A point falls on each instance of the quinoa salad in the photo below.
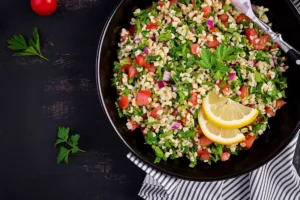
(174, 53)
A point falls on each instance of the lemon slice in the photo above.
(217, 134)
(226, 113)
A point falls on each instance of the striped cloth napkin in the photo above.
(278, 179)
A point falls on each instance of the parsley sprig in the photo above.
(29, 47)
(71, 143)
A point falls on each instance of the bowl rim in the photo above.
(151, 164)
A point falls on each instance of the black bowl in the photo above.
(283, 127)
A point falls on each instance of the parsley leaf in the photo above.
(217, 150)
(165, 37)
(72, 143)
(225, 53)
(187, 134)
(208, 60)
(258, 76)
(31, 47)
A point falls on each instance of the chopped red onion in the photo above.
(167, 76)
(192, 31)
(250, 105)
(161, 84)
(250, 62)
(210, 23)
(192, 110)
(231, 76)
(146, 51)
(136, 39)
(175, 125)
(153, 38)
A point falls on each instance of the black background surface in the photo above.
(37, 96)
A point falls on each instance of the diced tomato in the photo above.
(194, 48)
(223, 18)
(132, 29)
(193, 99)
(200, 152)
(206, 11)
(172, 2)
(225, 156)
(213, 44)
(251, 34)
(214, 29)
(268, 76)
(133, 125)
(140, 61)
(204, 141)
(275, 46)
(224, 88)
(154, 112)
(244, 91)
(279, 103)
(150, 8)
(142, 98)
(270, 112)
(125, 67)
(204, 155)
(125, 37)
(249, 141)
(132, 71)
(151, 68)
(263, 40)
(241, 18)
(199, 131)
(259, 119)
(123, 102)
(161, 3)
(151, 26)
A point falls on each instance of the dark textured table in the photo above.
(38, 96)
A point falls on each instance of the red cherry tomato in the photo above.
(251, 34)
(43, 7)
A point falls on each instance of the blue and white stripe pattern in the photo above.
(276, 180)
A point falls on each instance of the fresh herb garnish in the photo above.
(71, 143)
(31, 47)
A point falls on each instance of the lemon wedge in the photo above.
(217, 134)
(226, 113)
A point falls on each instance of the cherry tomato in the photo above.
(194, 48)
(206, 11)
(142, 98)
(193, 99)
(140, 60)
(213, 44)
(43, 7)
(124, 102)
